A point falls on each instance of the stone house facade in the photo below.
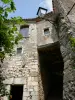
(41, 65)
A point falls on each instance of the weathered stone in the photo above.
(19, 80)
(34, 93)
(34, 97)
(22, 69)
(34, 74)
(35, 83)
(25, 93)
(8, 81)
(25, 98)
(36, 88)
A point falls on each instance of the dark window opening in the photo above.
(51, 69)
(19, 50)
(24, 26)
(16, 92)
(24, 30)
(46, 31)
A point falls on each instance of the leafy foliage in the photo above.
(9, 34)
(3, 90)
(72, 40)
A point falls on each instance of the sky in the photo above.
(28, 8)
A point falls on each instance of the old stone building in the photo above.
(41, 67)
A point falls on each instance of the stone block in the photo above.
(66, 58)
(8, 88)
(35, 83)
(63, 51)
(8, 81)
(34, 93)
(24, 98)
(5, 98)
(29, 83)
(32, 78)
(35, 98)
(31, 89)
(34, 74)
(25, 88)
(19, 80)
(67, 76)
(25, 94)
(36, 79)
(67, 64)
(29, 79)
(36, 88)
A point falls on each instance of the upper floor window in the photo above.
(19, 50)
(24, 30)
(46, 31)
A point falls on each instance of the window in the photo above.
(19, 50)
(46, 31)
(24, 30)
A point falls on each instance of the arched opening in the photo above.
(51, 69)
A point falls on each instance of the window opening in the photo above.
(46, 31)
(19, 50)
(24, 30)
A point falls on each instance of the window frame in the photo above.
(19, 50)
(46, 29)
(23, 27)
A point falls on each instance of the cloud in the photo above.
(47, 4)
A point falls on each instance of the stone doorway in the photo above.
(16, 92)
(51, 69)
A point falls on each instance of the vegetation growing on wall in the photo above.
(72, 40)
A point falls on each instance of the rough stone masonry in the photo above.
(23, 69)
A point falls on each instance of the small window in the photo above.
(24, 30)
(46, 31)
(19, 50)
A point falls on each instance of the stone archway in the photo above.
(51, 69)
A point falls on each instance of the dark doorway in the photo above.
(51, 69)
(16, 92)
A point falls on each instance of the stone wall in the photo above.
(65, 30)
(44, 39)
(64, 33)
(62, 6)
(22, 69)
